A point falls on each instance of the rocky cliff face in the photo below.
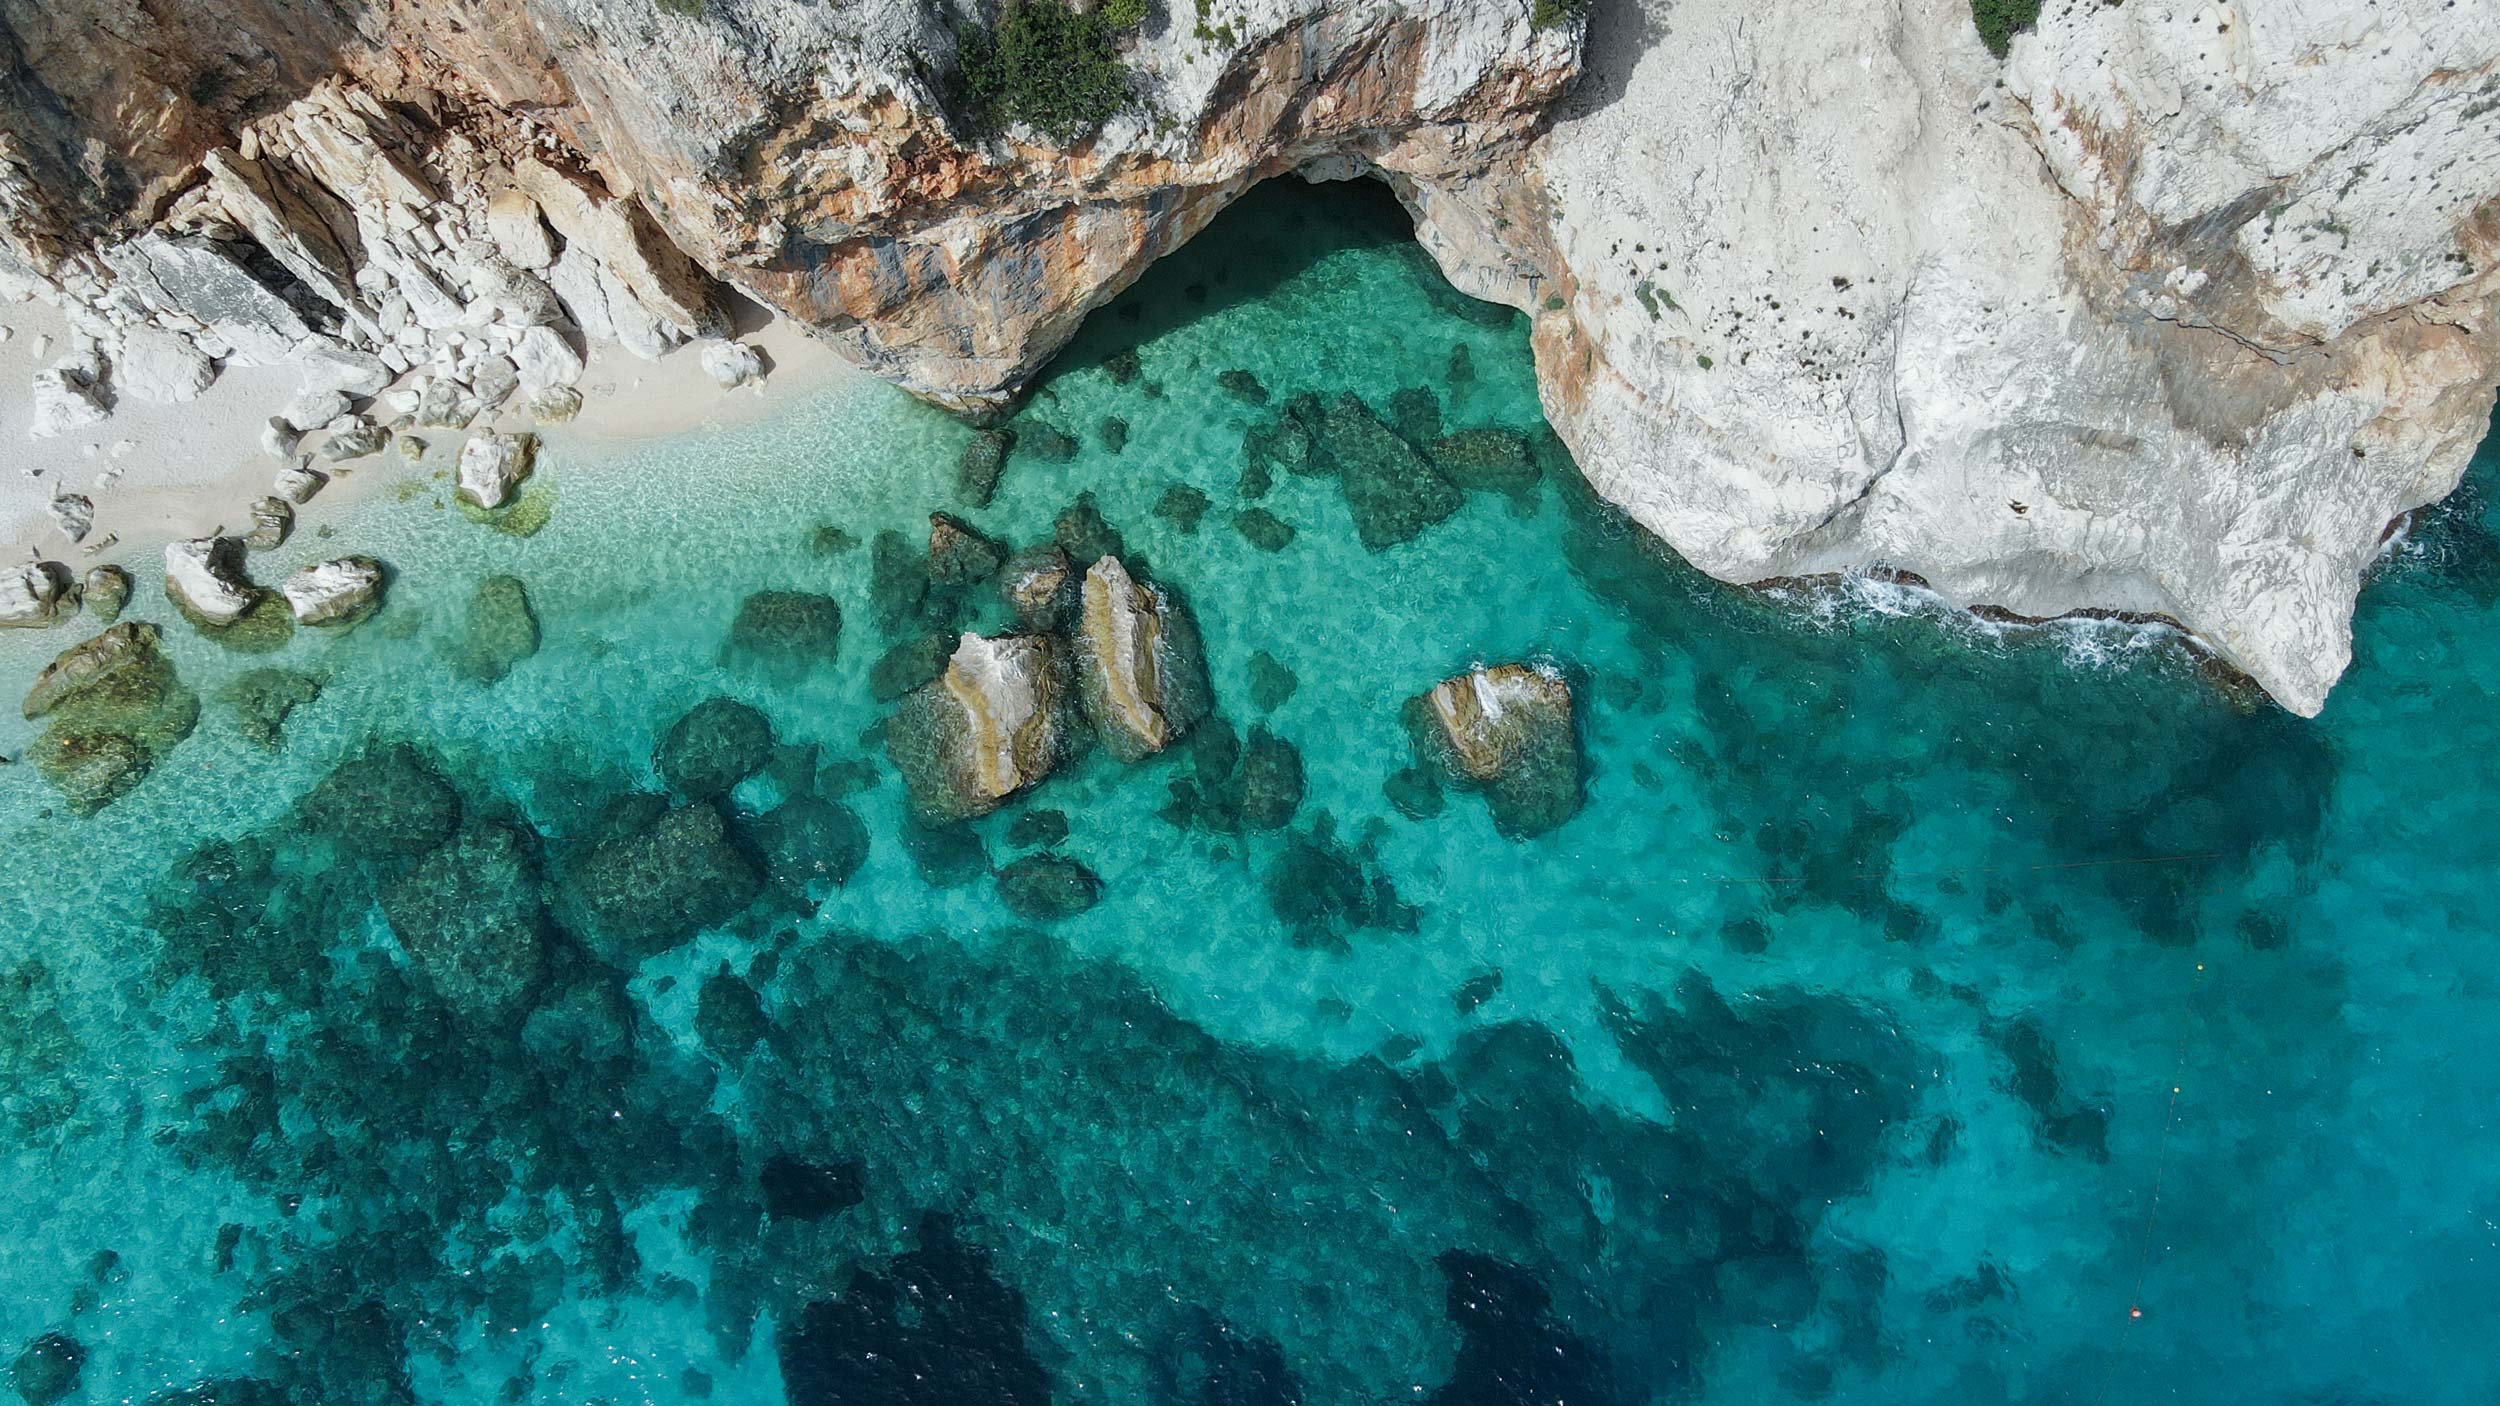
(2172, 311)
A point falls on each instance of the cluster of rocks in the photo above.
(208, 583)
(1398, 477)
(366, 246)
(1004, 713)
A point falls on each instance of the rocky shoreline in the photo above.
(1825, 297)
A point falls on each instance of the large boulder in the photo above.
(115, 706)
(1509, 731)
(649, 884)
(273, 521)
(993, 724)
(493, 465)
(717, 744)
(471, 917)
(205, 581)
(341, 591)
(784, 635)
(35, 595)
(1140, 673)
(732, 364)
(389, 801)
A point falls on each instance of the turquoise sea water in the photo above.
(1915, 1011)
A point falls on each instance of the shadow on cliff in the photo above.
(200, 72)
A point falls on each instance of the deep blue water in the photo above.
(1916, 1010)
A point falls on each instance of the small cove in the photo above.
(1910, 999)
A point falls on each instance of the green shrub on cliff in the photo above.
(1545, 14)
(1047, 66)
(2000, 20)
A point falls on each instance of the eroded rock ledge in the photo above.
(2171, 312)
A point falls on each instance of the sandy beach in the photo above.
(162, 472)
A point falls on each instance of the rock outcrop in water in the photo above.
(113, 707)
(1507, 729)
(2160, 313)
(995, 723)
(1139, 669)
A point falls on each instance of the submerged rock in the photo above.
(1038, 829)
(1040, 586)
(340, 591)
(728, 1016)
(908, 665)
(796, 1190)
(1243, 386)
(717, 744)
(807, 841)
(1508, 730)
(492, 465)
(1393, 491)
(784, 635)
(1182, 506)
(1324, 893)
(989, 727)
(898, 580)
(46, 1373)
(1140, 673)
(1263, 529)
(107, 593)
(948, 856)
(960, 555)
(390, 801)
(501, 630)
(262, 699)
(1047, 887)
(205, 581)
(470, 915)
(984, 460)
(1271, 683)
(1493, 460)
(645, 887)
(1084, 533)
(116, 706)
(1046, 442)
(1282, 443)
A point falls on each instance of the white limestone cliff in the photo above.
(2175, 312)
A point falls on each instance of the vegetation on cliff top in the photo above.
(1999, 21)
(1045, 65)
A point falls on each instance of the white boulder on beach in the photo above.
(492, 465)
(340, 591)
(204, 579)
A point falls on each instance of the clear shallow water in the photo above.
(1909, 1001)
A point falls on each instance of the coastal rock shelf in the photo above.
(1846, 292)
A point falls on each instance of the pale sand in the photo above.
(159, 473)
